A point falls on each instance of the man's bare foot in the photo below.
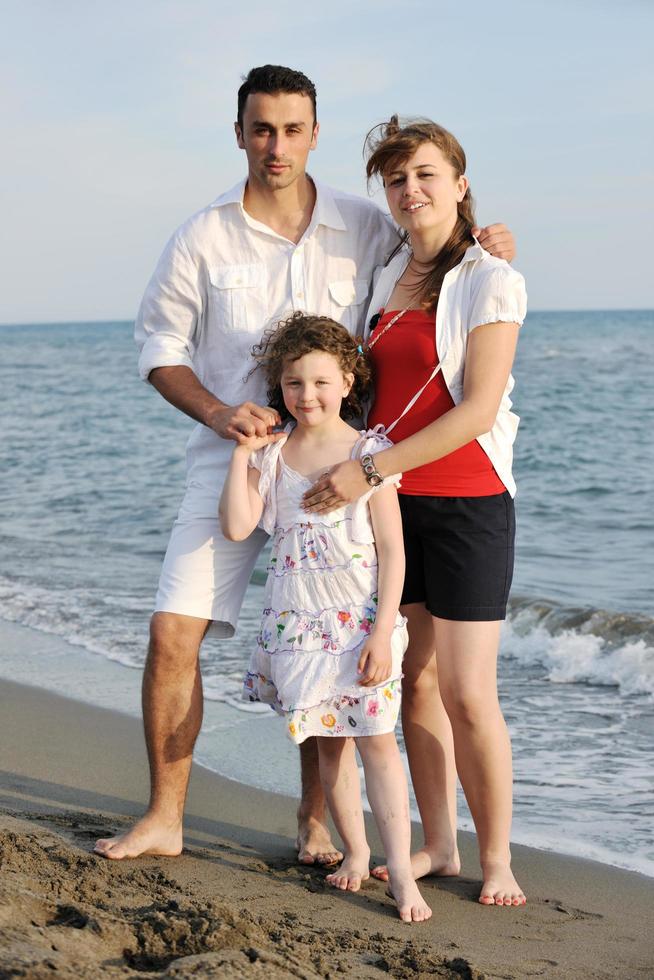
(411, 906)
(314, 844)
(351, 873)
(500, 887)
(426, 862)
(151, 835)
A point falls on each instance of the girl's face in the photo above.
(313, 387)
(423, 192)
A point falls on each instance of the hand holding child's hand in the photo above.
(242, 422)
(375, 661)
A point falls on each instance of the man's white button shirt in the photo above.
(225, 278)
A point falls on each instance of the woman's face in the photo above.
(423, 192)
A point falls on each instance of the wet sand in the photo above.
(235, 904)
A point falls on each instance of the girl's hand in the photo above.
(341, 485)
(375, 661)
(250, 443)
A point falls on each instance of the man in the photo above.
(276, 242)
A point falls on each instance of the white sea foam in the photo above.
(577, 656)
(74, 616)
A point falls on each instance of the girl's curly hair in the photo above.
(302, 333)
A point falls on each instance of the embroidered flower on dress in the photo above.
(328, 721)
(372, 709)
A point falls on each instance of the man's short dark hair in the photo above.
(272, 79)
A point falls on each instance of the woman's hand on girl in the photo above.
(375, 661)
(341, 485)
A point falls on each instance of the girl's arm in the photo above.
(489, 358)
(241, 505)
(375, 662)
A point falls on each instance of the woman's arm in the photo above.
(489, 359)
(241, 505)
(375, 662)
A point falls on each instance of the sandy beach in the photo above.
(236, 904)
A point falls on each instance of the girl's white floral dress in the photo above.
(319, 607)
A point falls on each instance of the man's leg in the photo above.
(172, 716)
(314, 843)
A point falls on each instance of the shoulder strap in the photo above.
(414, 399)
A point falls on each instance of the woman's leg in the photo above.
(340, 780)
(389, 798)
(467, 667)
(428, 739)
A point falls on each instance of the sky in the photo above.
(117, 124)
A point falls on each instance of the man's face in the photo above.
(277, 134)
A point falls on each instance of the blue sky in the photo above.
(117, 124)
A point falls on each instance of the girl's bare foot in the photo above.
(426, 862)
(314, 844)
(151, 835)
(500, 887)
(351, 873)
(411, 906)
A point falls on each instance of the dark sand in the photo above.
(235, 904)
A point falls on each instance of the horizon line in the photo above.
(83, 322)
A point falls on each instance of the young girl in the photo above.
(447, 315)
(329, 653)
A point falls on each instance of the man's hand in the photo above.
(496, 239)
(375, 662)
(241, 422)
(343, 484)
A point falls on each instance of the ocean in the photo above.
(92, 464)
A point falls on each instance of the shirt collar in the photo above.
(233, 196)
(473, 252)
(325, 210)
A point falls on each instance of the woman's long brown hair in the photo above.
(391, 144)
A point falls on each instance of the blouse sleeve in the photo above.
(501, 298)
(372, 442)
(265, 460)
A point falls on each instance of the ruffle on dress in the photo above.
(302, 662)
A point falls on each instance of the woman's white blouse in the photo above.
(480, 289)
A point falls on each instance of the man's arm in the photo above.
(181, 387)
(165, 331)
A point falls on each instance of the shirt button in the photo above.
(300, 295)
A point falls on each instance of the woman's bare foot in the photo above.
(351, 873)
(500, 887)
(426, 862)
(411, 906)
(151, 835)
(314, 844)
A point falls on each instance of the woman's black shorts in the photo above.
(459, 555)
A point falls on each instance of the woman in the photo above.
(448, 316)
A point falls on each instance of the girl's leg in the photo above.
(467, 666)
(430, 749)
(340, 779)
(389, 798)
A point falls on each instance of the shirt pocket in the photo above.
(347, 298)
(237, 297)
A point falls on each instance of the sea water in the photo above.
(92, 472)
